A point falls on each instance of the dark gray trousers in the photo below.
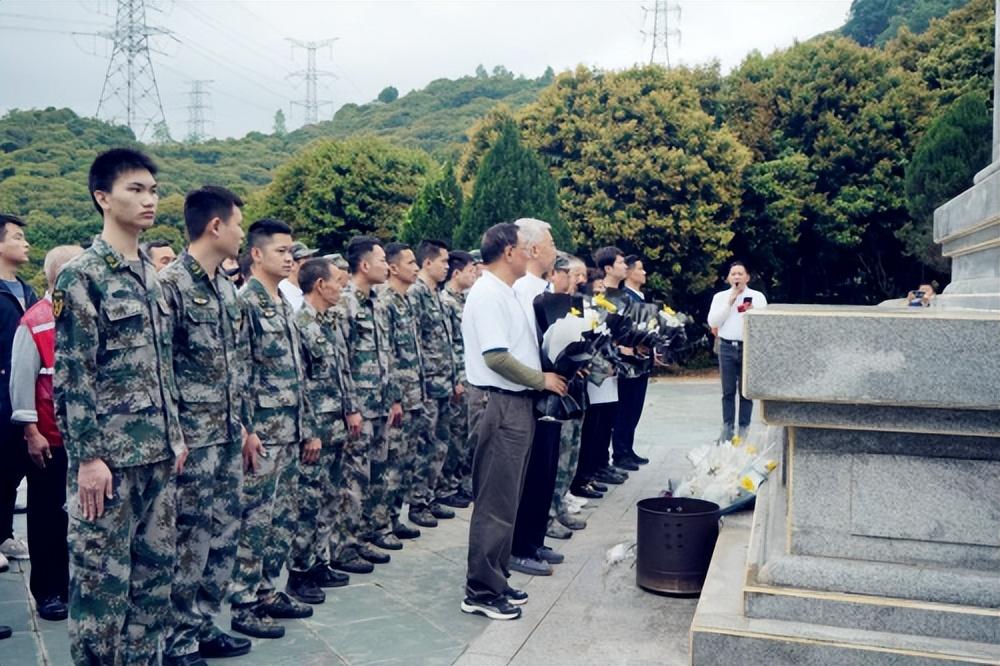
(505, 426)
(731, 370)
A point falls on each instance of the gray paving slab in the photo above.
(407, 611)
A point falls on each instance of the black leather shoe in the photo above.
(372, 555)
(355, 565)
(302, 587)
(387, 542)
(223, 646)
(423, 518)
(406, 532)
(607, 476)
(5, 632)
(52, 609)
(627, 464)
(466, 496)
(324, 576)
(193, 659)
(280, 605)
(599, 487)
(453, 501)
(440, 512)
(639, 460)
(252, 620)
(586, 492)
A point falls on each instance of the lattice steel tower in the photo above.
(663, 31)
(197, 111)
(311, 75)
(130, 94)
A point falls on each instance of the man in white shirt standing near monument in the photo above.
(726, 315)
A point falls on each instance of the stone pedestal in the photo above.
(880, 542)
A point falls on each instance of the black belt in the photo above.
(495, 389)
(735, 343)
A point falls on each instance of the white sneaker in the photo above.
(4, 564)
(571, 508)
(21, 503)
(14, 548)
(579, 501)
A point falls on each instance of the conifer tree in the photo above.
(437, 211)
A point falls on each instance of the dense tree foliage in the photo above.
(437, 211)
(334, 189)
(874, 22)
(511, 183)
(947, 157)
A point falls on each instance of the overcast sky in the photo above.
(47, 57)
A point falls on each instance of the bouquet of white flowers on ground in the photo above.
(727, 474)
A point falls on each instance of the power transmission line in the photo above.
(197, 111)
(130, 93)
(311, 75)
(663, 31)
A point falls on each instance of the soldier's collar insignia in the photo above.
(58, 302)
(196, 269)
(200, 300)
(111, 261)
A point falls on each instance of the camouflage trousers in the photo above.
(120, 567)
(319, 501)
(208, 524)
(385, 480)
(569, 453)
(393, 476)
(457, 471)
(432, 449)
(269, 512)
(354, 483)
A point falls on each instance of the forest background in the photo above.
(819, 165)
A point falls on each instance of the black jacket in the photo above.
(10, 317)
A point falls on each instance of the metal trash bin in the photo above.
(675, 538)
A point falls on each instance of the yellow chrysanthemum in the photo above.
(771, 465)
(574, 312)
(668, 310)
(748, 484)
(603, 302)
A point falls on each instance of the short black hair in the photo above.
(429, 249)
(458, 260)
(496, 239)
(606, 256)
(112, 163)
(154, 244)
(312, 271)
(734, 264)
(246, 262)
(203, 205)
(394, 249)
(7, 218)
(632, 259)
(261, 231)
(357, 249)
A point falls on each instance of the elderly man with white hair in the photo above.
(528, 553)
(32, 363)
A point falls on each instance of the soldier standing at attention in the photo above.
(367, 339)
(440, 376)
(210, 357)
(275, 431)
(406, 386)
(116, 406)
(455, 485)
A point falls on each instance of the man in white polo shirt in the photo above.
(503, 368)
(726, 314)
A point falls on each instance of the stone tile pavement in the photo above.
(407, 611)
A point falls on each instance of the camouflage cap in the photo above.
(477, 256)
(301, 251)
(338, 260)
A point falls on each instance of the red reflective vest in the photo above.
(42, 325)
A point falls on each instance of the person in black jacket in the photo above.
(16, 296)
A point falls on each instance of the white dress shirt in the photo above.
(727, 318)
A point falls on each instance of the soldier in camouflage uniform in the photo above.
(275, 429)
(441, 380)
(456, 476)
(210, 364)
(406, 386)
(329, 391)
(116, 405)
(367, 339)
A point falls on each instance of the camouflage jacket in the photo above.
(211, 352)
(114, 386)
(454, 303)
(275, 377)
(406, 377)
(434, 329)
(329, 389)
(367, 338)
